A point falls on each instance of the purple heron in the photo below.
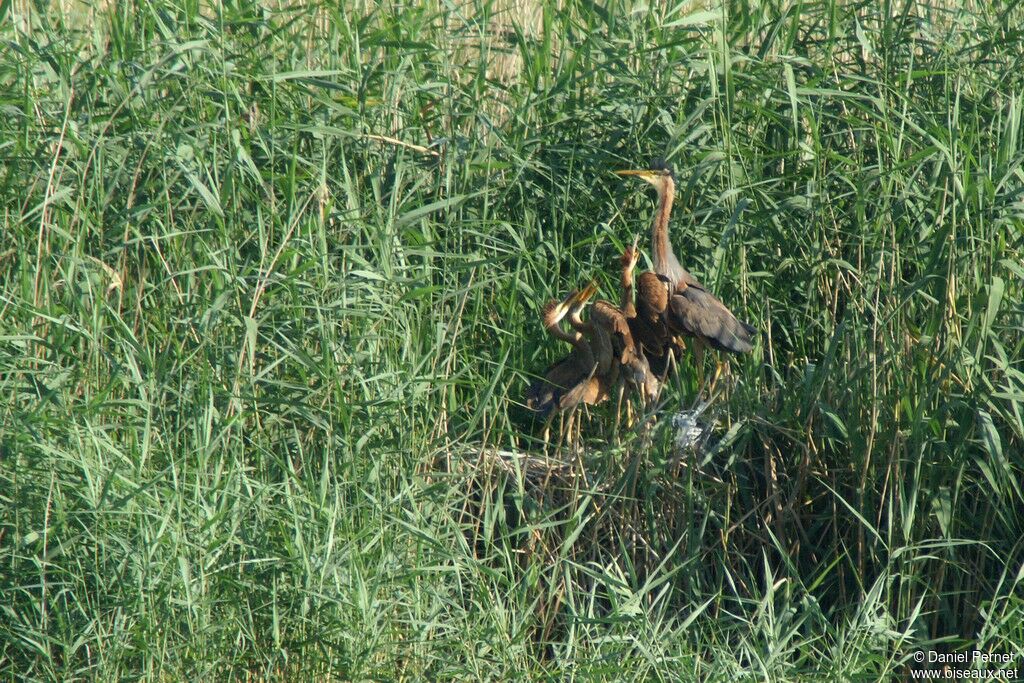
(578, 377)
(692, 310)
(563, 380)
(620, 361)
(645, 315)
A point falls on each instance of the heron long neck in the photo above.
(664, 259)
(626, 303)
(580, 344)
(556, 331)
(575, 319)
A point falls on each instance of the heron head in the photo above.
(659, 174)
(638, 373)
(554, 311)
(631, 255)
(585, 294)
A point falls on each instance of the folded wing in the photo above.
(696, 312)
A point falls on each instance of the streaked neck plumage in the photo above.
(665, 261)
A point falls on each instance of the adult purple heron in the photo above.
(692, 310)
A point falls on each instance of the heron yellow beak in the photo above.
(653, 177)
(585, 295)
(565, 304)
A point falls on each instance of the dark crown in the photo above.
(662, 165)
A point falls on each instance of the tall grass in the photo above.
(270, 283)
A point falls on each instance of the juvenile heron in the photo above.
(563, 381)
(644, 313)
(575, 378)
(618, 356)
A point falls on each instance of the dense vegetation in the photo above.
(269, 287)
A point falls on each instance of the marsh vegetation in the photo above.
(270, 280)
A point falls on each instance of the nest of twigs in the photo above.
(558, 470)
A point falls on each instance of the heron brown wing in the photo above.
(610, 318)
(561, 377)
(649, 327)
(651, 335)
(591, 390)
(695, 311)
(652, 291)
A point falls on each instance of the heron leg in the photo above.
(579, 434)
(721, 367)
(547, 430)
(578, 446)
(561, 431)
(698, 359)
(618, 407)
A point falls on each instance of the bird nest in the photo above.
(580, 466)
(537, 470)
